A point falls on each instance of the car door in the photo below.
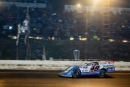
(85, 69)
(94, 67)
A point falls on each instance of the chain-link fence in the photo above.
(63, 50)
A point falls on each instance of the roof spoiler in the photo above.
(108, 62)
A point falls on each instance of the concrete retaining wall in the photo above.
(51, 65)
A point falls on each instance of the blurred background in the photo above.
(99, 30)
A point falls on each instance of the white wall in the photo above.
(51, 65)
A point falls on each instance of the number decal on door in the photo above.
(94, 68)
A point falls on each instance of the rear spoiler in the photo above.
(108, 62)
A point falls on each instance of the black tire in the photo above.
(76, 73)
(102, 73)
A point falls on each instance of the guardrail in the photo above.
(51, 65)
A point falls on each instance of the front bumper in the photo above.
(63, 74)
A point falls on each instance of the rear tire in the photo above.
(76, 73)
(102, 73)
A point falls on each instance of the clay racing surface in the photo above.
(52, 79)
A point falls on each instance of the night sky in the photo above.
(114, 3)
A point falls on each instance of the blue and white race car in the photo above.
(93, 68)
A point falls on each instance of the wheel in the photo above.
(76, 73)
(102, 73)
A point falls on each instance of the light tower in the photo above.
(105, 27)
(105, 12)
(105, 18)
(105, 31)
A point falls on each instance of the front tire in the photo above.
(76, 73)
(102, 73)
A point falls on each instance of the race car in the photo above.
(92, 68)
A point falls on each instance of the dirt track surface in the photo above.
(51, 79)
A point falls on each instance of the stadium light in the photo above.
(124, 41)
(78, 5)
(96, 2)
(10, 27)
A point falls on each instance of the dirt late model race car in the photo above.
(93, 68)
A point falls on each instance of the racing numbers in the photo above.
(95, 68)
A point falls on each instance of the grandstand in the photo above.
(62, 31)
